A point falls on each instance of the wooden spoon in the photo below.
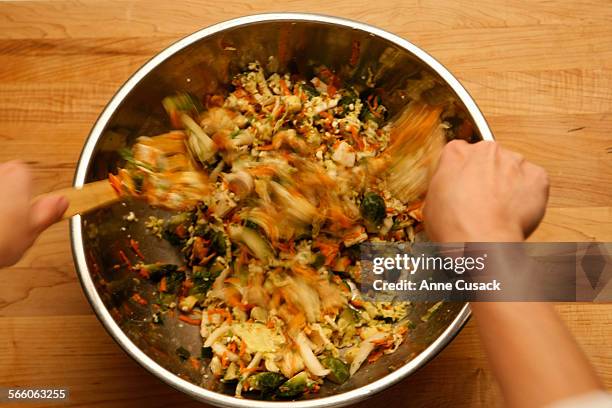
(184, 181)
(89, 197)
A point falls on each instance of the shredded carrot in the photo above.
(373, 105)
(415, 205)
(214, 100)
(181, 231)
(115, 183)
(233, 297)
(342, 263)
(223, 312)
(267, 147)
(326, 115)
(465, 130)
(217, 311)
(247, 370)
(417, 214)
(356, 302)
(380, 342)
(224, 359)
(139, 299)
(284, 88)
(242, 258)
(328, 249)
(175, 119)
(189, 320)
(233, 280)
(331, 90)
(163, 284)
(124, 258)
(287, 246)
(94, 265)
(200, 248)
(207, 259)
(232, 347)
(195, 363)
(144, 273)
(358, 140)
(262, 171)
(136, 248)
(305, 272)
(375, 356)
(243, 348)
(354, 53)
(337, 215)
(187, 283)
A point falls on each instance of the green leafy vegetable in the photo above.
(310, 90)
(206, 352)
(174, 280)
(176, 229)
(339, 372)
(159, 270)
(266, 382)
(203, 279)
(216, 238)
(182, 103)
(183, 354)
(319, 261)
(127, 155)
(296, 385)
(231, 374)
(373, 208)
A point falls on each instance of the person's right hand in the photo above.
(21, 221)
(483, 193)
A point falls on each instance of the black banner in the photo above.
(485, 272)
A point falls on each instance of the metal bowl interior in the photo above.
(204, 63)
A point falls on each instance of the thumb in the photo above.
(46, 211)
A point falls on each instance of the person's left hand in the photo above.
(21, 221)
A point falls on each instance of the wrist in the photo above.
(483, 232)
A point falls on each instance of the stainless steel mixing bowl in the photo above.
(204, 63)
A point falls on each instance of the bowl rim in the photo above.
(104, 315)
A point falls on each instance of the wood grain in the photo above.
(541, 71)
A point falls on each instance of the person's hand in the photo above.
(21, 221)
(483, 193)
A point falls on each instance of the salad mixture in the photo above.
(277, 184)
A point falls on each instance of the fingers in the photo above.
(21, 221)
(456, 147)
(16, 182)
(538, 178)
(46, 211)
(453, 156)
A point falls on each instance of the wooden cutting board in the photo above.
(540, 70)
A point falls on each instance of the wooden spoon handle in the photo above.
(89, 197)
